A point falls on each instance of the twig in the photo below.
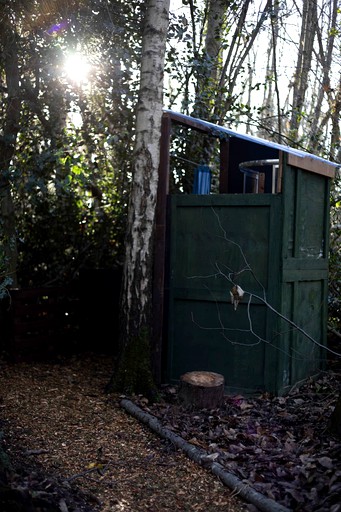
(36, 452)
(63, 506)
(101, 471)
(247, 268)
(86, 472)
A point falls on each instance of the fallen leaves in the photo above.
(74, 446)
(279, 445)
(77, 446)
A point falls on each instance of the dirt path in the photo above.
(58, 422)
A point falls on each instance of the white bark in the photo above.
(137, 283)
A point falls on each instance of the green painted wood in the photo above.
(212, 237)
(304, 273)
(275, 247)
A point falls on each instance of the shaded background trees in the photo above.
(66, 141)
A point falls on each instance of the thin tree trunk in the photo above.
(274, 33)
(251, 73)
(234, 61)
(325, 58)
(211, 60)
(268, 117)
(335, 151)
(303, 66)
(206, 85)
(8, 246)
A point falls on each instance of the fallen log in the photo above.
(200, 456)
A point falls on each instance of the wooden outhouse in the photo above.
(265, 231)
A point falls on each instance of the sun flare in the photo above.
(77, 68)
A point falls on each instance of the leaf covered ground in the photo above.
(279, 445)
(75, 449)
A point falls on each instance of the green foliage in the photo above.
(68, 217)
(70, 181)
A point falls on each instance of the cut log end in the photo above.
(203, 390)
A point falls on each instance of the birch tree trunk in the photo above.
(134, 368)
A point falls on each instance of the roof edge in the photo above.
(206, 126)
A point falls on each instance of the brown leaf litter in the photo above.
(280, 446)
(73, 448)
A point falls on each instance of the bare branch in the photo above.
(230, 276)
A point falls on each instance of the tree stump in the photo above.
(203, 390)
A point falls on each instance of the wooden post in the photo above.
(160, 248)
(224, 165)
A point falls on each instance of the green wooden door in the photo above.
(215, 241)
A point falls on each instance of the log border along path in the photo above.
(200, 456)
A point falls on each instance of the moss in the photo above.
(134, 374)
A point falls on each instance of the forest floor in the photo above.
(74, 449)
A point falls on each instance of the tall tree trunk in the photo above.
(326, 59)
(8, 246)
(271, 122)
(239, 50)
(303, 66)
(335, 112)
(274, 33)
(216, 80)
(134, 368)
(207, 75)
